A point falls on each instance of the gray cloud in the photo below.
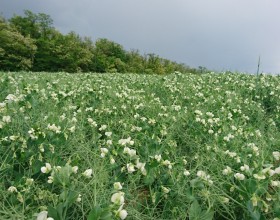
(218, 34)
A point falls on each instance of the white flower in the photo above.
(277, 170)
(123, 214)
(201, 174)
(75, 169)
(227, 171)
(275, 183)
(112, 160)
(46, 169)
(165, 189)
(117, 186)
(79, 199)
(158, 157)
(87, 173)
(44, 216)
(225, 199)
(2, 104)
(10, 98)
(118, 198)
(12, 189)
(6, 119)
(54, 128)
(104, 151)
(126, 150)
(186, 172)
(29, 181)
(72, 129)
(166, 162)
(141, 167)
(259, 176)
(276, 155)
(130, 152)
(50, 179)
(103, 127)
(108, 134)
(239, 176)
(245, 167)
(130, 168)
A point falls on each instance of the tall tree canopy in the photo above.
(31, 42)
(16, 51)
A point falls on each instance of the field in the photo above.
(147, 147)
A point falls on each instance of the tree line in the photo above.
(30, 42)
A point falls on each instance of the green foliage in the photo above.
(39, 47)
(16, 51)
(178, 146)
(97, 213)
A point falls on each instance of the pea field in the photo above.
(90, 146)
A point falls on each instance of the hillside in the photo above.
(115, 146)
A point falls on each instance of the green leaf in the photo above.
(52, 212)
(207, 215)
(195, 211)
(71, 197)
(95, 213)
(254, 213)
(106, 215)
(197, 183)
(189, 195)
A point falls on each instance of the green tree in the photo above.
(16, 51)
(34, 25)
(73, 53)
(109, 56)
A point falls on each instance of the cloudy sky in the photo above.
(218, 34)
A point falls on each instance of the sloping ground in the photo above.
(99, 146)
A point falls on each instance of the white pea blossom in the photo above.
(276, 155)
(75, 169)
(259, 176)
(12, 189)
(167, 163)
(277, 170)
(275, 183)
(165, 189)
(72, 129)
(43, 216)
(46, 169)
(117, 186)
(11, 98)
(130, 168)
(201, 174)
(158, 157)
(112, 160)
(79, 199)
(122, 214)
(50, 179)
(186, 172)
(103, 127)
(54, 128)
(245, 167)
(239, 176)
(87, 173)
(118, 198)
(6, 119)
(104, 151)
(108, 134)
(227, 170)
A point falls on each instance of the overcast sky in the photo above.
(218, 34)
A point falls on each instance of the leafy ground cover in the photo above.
(116, 146)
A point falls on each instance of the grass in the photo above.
(182, 146)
